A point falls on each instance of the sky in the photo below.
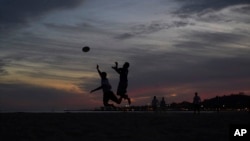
(175, 48)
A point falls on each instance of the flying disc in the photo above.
(85, 49)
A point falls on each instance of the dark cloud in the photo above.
(125, 36)
(192, 65)
(244, 10)
(205, 10)
(195, 6)
(237, 14)
(85, 27)
(155, 26)
(221, 74)
(66, 28)
(217, 69)
(214, 43)
(16, 13)
(216, 37)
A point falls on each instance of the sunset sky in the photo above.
(174, 47)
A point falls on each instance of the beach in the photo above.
(132, 126)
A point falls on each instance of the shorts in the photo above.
(122, 88)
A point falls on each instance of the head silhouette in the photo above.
(126, 65)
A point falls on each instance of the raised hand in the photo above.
(116, 65)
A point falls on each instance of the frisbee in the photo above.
(85, 49)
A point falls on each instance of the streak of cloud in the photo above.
(147, 29)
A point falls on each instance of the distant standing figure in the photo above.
(163, 104)
(106, 88)
(155, 103)
(123, 83)
(196, 102)
(217, 104)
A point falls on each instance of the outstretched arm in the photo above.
(96, 89)
(98, 70)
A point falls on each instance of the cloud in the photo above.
(154, 26)
(15, 13)
(215, 11)
(214, 44)
(232, 14)
(2, 70)
(245, 9)
(87, 28)
(125, 36)
(196, 6)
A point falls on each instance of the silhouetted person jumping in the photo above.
(196, 102)
(123, 83)
(106, 88)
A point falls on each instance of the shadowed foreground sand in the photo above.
(129, 126)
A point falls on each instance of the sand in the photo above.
(112, 126)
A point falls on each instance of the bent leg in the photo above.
(106, 99)
(114, 98)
